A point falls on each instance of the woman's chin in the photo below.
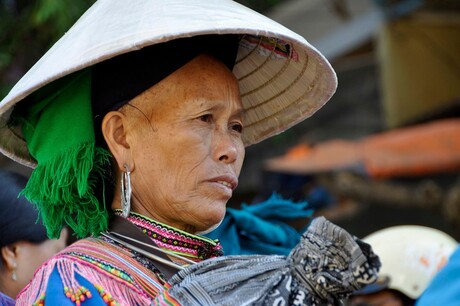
(213, 219)
(210, 228)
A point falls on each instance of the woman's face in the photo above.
(186, 145)
(30, 256)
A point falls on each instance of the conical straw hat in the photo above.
(283, 79)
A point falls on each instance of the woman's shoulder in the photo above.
(92, 270)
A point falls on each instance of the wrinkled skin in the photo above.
(182, 142)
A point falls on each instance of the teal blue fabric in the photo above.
(444, 289)
(261, 228)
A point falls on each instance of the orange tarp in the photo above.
(412, 151)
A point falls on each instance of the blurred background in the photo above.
(383, 151)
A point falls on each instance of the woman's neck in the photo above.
(7, 285)
(142, 210)
(176, 240)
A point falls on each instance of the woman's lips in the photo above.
(228, 181)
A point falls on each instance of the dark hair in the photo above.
(114, 82)
(18, 217)
(406, 301)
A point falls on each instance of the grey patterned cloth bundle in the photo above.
(324, 268)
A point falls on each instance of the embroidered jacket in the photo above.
(98, 271)
(324, 268)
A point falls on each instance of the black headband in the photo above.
(118, 80)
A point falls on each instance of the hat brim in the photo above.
(283, 79)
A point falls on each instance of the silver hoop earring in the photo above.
(126, 192)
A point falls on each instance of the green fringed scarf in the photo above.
(59, 133)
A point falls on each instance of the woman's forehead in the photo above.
(203, 80)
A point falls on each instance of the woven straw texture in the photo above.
(283, 79)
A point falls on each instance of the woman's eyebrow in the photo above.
(239, 113)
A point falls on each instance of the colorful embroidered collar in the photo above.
(175, 240)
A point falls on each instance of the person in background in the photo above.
(24, 245)
(411, 256)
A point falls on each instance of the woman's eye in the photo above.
(206, 118)
(237, 127)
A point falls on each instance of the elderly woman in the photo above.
(24, 244)
(136, 122)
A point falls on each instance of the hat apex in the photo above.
(283, 79)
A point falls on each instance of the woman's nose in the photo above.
(226, 149)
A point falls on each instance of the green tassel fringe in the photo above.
(63, 191)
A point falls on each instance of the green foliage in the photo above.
(28, 29)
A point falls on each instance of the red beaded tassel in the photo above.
(107, 297)
(77, 296)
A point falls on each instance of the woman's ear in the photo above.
(114, 128)
(9, 256)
